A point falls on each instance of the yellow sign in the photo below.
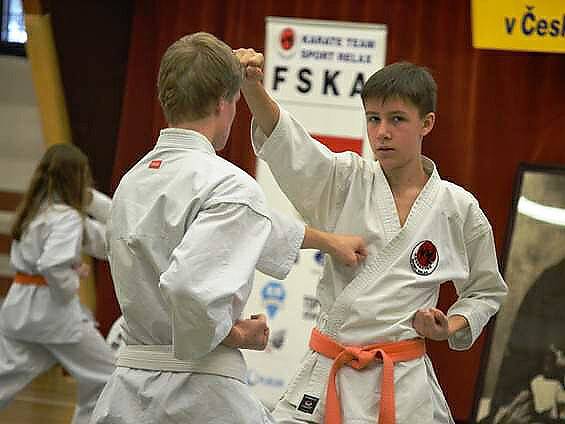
(528, 25)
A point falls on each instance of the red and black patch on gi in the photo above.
(424, 258)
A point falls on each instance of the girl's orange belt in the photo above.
(36, 280)
(359, 358)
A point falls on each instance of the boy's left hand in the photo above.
(431, 323)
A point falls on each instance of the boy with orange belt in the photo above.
(421, 231)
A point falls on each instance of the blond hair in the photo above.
(63, 175)
(195, 73)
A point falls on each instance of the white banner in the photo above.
(315, 70)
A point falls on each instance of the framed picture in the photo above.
(524, 369)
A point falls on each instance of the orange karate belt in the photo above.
(359, 358)
(36, 280)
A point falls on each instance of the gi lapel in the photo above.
(398, 241)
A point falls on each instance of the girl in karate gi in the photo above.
(41, 320)
(367, 353)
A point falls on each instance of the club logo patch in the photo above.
(424, 258)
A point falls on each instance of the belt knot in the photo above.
(357, 357)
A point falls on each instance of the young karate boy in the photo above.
(421, 231)
(187, 231)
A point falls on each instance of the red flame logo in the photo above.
(287, 38)
(427, 254)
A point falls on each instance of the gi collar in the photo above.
(184, 139)
(429, 167)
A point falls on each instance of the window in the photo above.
(12, 28)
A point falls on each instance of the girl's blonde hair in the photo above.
(62, 176)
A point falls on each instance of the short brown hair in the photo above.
(405, 81)
(195, 73)
(63, 175)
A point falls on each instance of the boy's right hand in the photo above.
(252, 62)
(250, 333)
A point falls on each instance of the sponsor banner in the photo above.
(315, 70)
(536, 25)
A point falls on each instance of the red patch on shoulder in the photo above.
(155, 164)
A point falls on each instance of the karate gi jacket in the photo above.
(187, 231)
(51, 246)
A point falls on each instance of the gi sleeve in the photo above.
(99, 207)
(94, 243)
(480, 296)
(95, 239)
(60, 252)
(209, 277)
(314, 178)
(282, 247)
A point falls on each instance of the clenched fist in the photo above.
(347, 249)
(250, 333)
(252, 62)
(431, 323)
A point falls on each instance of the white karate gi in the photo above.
(187, 231)
(44, 325)
(376, 302)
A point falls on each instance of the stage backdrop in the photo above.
(315, 70)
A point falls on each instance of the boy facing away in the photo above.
(187, 231)
(421, 231)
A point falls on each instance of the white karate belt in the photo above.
(221, 361)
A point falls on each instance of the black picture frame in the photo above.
(523, 368)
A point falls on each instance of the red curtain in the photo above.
(495, 108)
(93, 83)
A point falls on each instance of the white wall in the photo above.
(21, 141)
